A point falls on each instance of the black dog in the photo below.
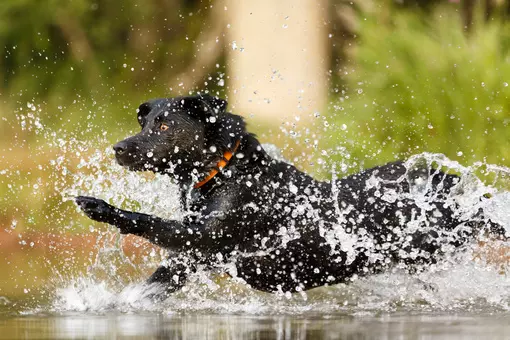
(283, 230)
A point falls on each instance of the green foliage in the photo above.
(422, 84)
(56, 52)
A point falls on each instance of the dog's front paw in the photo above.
(96, 209)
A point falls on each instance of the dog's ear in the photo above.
(204, 106)
(142, 112)
(217, 105)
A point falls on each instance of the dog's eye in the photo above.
(163, 127)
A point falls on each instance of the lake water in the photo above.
(459, 301)
(216, 326)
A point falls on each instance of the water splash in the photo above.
(459, 283)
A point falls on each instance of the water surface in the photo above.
(215, 326)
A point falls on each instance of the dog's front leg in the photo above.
(172, 274)
(98, 210)
(169, 234)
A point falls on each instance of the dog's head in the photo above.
(180, 135)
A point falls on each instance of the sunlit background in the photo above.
(334, 84)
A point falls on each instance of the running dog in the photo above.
(282, 230)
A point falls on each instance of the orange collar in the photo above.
(219, 166)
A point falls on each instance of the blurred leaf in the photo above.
(423, 85)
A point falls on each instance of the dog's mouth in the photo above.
(135, 162)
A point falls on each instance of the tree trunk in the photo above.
(278, 57)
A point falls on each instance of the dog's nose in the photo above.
(120, 147)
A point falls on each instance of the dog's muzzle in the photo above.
(125, 155)
(120, 148)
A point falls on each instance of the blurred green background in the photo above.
(400, 78)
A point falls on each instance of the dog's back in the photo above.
(325, 233)
(295, 233)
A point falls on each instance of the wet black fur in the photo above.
(274, 222)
